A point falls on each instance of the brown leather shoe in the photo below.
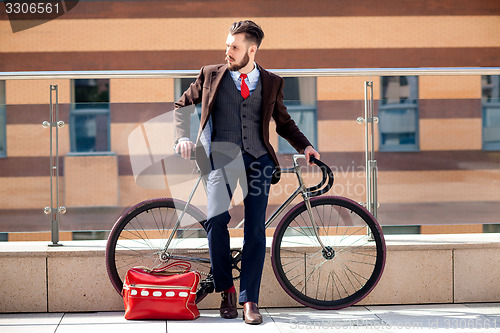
(251, 313)
(228, 306)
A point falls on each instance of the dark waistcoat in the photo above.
(237, 120)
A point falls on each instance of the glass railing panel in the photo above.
(24, 171)
(444, 171)
(436, 146)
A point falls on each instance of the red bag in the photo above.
(161, 294)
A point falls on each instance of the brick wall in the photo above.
(450, 167)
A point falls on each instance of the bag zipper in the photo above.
(150, 286)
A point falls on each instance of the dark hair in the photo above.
(252, 31)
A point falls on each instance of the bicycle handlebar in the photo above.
(327, 179)
(327, 176)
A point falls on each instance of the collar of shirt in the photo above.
(251, 80)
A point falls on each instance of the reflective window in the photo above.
(180, 86)
(89, 117)
(300, 100)
(491, 111)
(398, 114)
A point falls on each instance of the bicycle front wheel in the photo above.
(343, 272)
(139, 238)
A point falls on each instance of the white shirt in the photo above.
(251, 80)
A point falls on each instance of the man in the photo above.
(238, 100)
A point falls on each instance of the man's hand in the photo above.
(310, 151)
(185, 148)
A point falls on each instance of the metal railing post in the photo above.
(371, 170)
(54, 210)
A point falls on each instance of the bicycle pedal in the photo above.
(207, 286)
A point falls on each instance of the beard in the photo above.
(237, 66)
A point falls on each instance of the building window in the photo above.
(3, 121)
(398, 114)
(300, 100)
(89, 117)
(491, 111)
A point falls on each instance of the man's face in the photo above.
(236, 52)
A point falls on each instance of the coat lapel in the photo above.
(213, 82)
(267, 89)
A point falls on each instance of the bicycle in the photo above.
(328, 252)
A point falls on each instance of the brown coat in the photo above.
(205, 88)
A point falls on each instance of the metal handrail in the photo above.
(332, 72)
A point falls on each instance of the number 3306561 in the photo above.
(32, 8)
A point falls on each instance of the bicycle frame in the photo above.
(302, 189)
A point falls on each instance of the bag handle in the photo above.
(184, 267)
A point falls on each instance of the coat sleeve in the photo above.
(285, 126)
(182, 114)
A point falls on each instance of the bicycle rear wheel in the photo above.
(350, 267)
(139, 237)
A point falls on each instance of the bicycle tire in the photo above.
(140, 234)
(339, 277)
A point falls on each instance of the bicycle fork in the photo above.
(328, 252)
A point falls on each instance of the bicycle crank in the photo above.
(236, 256)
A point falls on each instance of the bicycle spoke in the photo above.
(138, 235)
(357, 274)
(288, 242)
(347, 246)
(311, 273)
(317, 287)
(131, 261)
(340, 281)
(361, 262)
(348, 278)
(334, 286)
(147, 240)
(298, 265)
(156, 223)
(327, 284)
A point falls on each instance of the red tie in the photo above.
(245, 92)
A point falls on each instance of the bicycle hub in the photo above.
(328, 253)
(163, 256)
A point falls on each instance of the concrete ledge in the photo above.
(419, 269)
